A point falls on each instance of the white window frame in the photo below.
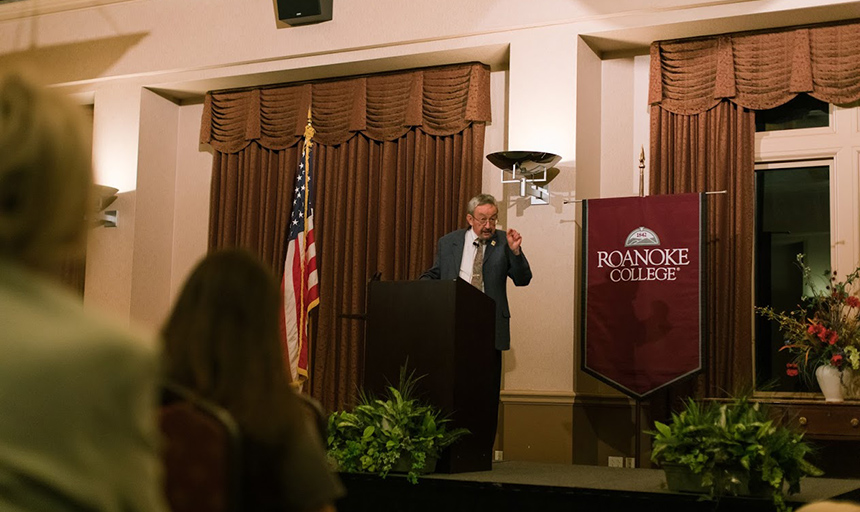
(839, 146)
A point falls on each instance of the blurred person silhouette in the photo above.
(222, 341)
(77, 393)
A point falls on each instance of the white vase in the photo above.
(832, 382)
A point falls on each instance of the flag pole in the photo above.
(309, 129)
(305, 317)
(642, 171)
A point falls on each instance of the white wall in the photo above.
(116, 118)
(193, 177)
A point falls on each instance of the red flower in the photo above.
(816, 330)
(853, 301)
(824, 334)
(836, 360)
(791, 369)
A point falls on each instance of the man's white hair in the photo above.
(480, 200)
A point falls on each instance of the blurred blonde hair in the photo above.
(45, 174)
(830, 506)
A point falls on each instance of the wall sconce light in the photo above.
(104, 196)
(529, 169)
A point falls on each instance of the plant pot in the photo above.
(834, 384)
(680, 478)
(404, 465)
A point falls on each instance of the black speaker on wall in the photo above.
(303, 12)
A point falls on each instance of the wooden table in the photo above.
(833, 427)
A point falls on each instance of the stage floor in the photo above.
(519, 486)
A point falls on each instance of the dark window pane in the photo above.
(792, 217)
(803, 111)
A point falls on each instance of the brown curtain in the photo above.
(714, 151)
(72, 273)
(397, 156)
(757, 70)
(702, 93)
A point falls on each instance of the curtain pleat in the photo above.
(250, 195)
(396, 157)
(440, 101)
(757, 70)
(714, 151)
(72, 272)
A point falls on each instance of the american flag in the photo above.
(300, 285)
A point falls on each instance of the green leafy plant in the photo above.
(727, 444)
(378, 433)
(825, 327)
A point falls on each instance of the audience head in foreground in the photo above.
(78, 428)
(45, 175)
(222, 341)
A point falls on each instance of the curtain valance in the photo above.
(441, 101)
(757, 70)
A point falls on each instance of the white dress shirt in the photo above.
(468, 260)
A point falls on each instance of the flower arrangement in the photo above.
(825, 328)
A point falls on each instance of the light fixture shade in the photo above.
(523, 163)
(530, 169)
(103, 196)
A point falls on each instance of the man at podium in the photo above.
(486, 257)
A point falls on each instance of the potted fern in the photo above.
(396, 433)
(731, 448)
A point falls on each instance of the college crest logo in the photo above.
(642, 236)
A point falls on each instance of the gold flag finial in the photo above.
(642, 171)
(309, 129)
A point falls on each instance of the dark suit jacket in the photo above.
(499, 263)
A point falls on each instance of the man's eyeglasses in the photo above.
(484, 222)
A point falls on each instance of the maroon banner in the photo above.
(643, 290)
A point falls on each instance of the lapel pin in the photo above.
(493, 243)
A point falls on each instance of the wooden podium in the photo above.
(446, 329)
